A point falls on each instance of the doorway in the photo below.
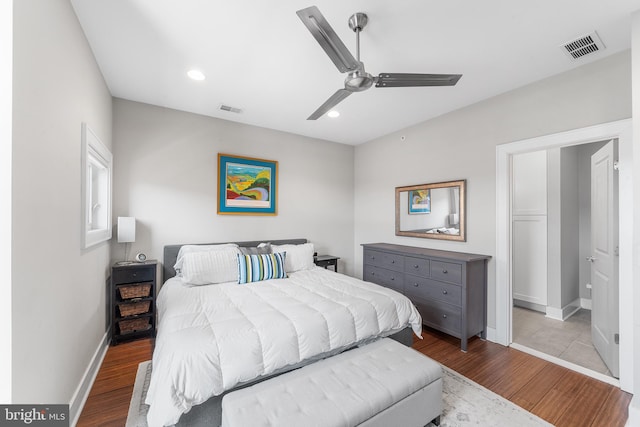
(551, 245)
(621, 131)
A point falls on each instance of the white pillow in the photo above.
(199, 248)
(299, 257)
(217, 266)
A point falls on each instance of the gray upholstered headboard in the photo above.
(171, 252)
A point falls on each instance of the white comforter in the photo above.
(214, 337)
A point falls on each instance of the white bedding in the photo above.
(212, 338)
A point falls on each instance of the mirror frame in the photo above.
(462, 237)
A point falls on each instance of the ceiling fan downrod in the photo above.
(358, 80)
(357, 22)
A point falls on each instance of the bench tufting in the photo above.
(380, 384)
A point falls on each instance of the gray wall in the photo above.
(554, 228)
(166, 177)
(58, 289)
(6, 106)
(563, 231)
(595, 93)
(569, 229)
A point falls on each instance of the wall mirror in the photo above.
(432, 211)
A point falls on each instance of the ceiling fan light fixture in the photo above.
(196, 75)
(333, 114)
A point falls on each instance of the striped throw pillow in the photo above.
(253, 268)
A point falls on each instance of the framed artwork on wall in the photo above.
(419, 202)
(246, 185)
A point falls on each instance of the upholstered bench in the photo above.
(380, 384)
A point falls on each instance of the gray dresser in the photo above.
(448, 288)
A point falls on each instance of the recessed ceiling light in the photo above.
(195, 75)
(333, 113)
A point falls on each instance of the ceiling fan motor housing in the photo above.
(358, 80)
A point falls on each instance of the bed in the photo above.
(214, 338)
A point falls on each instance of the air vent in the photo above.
(230, 109)
(583, 46)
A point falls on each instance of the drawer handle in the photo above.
(444, 271)
(415, 266)
(393, 261)
(445, 292)
(393, 278)
(372, 257)
(444, 316)
(416, 285)
(373, 274)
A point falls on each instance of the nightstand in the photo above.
(326, 261)
(133, 301)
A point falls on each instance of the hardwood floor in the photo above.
(108, 401)
(556, 394)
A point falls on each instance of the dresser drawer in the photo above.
(446, 271)
(384, 260)
(417, 266)
(134, 274)
(441, 316)
(381, 276)
(421, 287)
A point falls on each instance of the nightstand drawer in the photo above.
(417, 266)
(133, 308)
(446, 271)
(383, 259)
(134, 274)
(129, 326)
(387, 278)
(420, 287)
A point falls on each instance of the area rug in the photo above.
(465, 404)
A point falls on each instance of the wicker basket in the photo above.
(131, 309)
(133, 325)
(135, 290)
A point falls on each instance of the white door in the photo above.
(604, 256)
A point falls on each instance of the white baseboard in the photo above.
(634, 412)
(585, 303)
(79, 398)
(565, 312)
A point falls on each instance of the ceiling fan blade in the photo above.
(328, 39)
(409, 80)
(334, 100)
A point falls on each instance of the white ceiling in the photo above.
(257, 55)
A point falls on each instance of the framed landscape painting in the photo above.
(247, 186)
(419, 201)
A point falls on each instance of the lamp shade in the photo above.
(126, 229)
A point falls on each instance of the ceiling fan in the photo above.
(358, 79)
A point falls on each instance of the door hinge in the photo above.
(616, 165)
(616, 338)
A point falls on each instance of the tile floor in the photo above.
(569, 340)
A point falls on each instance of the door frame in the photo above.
(621, 130)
